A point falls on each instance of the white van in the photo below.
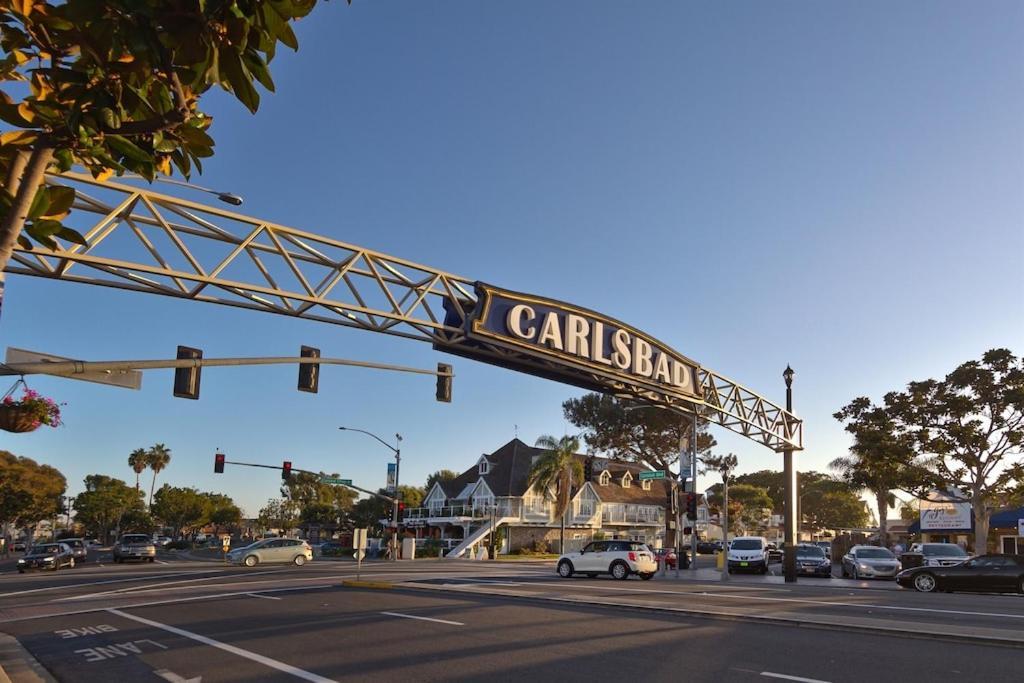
(748, 554)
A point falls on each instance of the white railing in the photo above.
(632, 514)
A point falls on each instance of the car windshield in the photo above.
(636, 546)
(135, 539)
(943, 550)
(45, 549)
(874, 554)
(809, 552)
(747, 544)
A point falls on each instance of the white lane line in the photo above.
(787, 677)
(412, 616)
(152, 586)
(99, 583)
(169, 601)
(265, 597)
(252, 656)
(828, 603)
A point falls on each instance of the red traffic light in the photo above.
(218, 463)
(286, 469)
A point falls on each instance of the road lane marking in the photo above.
(154, 586)
(99, 583)
(265, 597)
(864, 605)
(412, 616)
(787, 677)
(252, 656)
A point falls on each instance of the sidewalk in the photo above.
(714, 575)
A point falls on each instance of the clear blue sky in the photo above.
(838, 186)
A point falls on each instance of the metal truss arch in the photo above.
(144, 241)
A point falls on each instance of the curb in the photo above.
(381, 585)
(17, 665)
(846, 627)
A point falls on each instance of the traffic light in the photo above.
(309, 373)
(186, 380)
(218, 463)
(691, 505)
(286, 469)
(444, 383)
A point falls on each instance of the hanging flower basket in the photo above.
(29, 412)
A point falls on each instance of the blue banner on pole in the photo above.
(391, 477)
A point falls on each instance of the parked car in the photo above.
(940, 554)
(272, 550)
(748, 553)
(666, 555)
(826, 546)
(47, 556)
(774, 553)
(19, 546)
(78, 548)
(708, 547)
(621, 559)
(134, 547)
(336, 549)
(868, 561)
(812, 561)
(998, 573)
(161, 541)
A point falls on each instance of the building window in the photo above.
(627, 480)
(646, 484)
(605, 478)
(485, 467)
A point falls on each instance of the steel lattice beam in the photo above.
(149, 242)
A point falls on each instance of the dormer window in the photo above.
(605, 478)
(627, 480)
(646, 484)
(484, 466)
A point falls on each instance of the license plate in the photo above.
(744, 564)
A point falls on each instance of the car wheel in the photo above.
(646, 576)
(299, 560)
(619, 570)
(251, 561)
(925, 582)
(565, 569)
(21, 571)
(856, 574)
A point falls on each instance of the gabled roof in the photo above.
(510, 472)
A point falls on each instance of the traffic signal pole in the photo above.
(315, 474)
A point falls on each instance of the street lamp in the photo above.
(398, 460)
(226, 197)
(789, 474)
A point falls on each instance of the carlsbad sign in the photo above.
(579, 339)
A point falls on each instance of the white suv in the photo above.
(618, 558)
(748, 553)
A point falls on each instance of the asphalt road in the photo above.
(471, 621)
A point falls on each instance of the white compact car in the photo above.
(748, 554)
(618, 558)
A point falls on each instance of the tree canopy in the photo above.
(29, 491)
(439, 476)
(644, 434)
(104, 503)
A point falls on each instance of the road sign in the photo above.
(127, 379)
(336, 481)
(658, 474)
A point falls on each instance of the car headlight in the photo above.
(863, 566)
(826, 563)
(21, 561)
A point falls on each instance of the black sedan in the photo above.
(47, 556)
(998, 573)
(811, 561)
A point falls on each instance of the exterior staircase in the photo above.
(477, 536)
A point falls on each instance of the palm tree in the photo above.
(138, 461)
(558, 468)
(157, 457)
(724, 465)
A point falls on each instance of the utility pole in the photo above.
(398, 461)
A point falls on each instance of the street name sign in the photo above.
(658, 474)
(127, 379)
(336, 481)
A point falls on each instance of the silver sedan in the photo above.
(273, 550)
(870, 562)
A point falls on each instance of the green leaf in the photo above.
(70, 235)
(61, 198)
(39, 203)
(45, 227)
(128, 149)
(258, 68)
(24, 242)
(239, 79)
